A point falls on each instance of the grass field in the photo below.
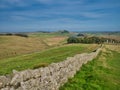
(42, 49)
(43, 58)
(52, 34)
(11, 46)
(103, 73)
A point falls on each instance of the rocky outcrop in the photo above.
(47, 78)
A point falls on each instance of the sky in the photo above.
(50, 15)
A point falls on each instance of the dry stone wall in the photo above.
(47, 78)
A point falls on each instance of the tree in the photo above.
(73, 40)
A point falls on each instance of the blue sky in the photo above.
(81, 15)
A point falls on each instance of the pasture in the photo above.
(39, 59)
(103, 73)
(41, 49)
(11, 46)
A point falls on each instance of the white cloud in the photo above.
(13, 3)
(18, 18)
(92, 15)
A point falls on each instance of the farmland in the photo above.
(15, 45)
(41, 49)
(59, 44)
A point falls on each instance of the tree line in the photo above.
(15, 34)
(88, 40)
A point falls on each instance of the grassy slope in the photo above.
(103, 73)
(11, 46)
(44, 57)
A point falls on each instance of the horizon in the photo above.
(51, 31)
(52, 15)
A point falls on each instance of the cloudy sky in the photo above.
(81, 15)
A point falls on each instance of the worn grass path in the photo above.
(103, 73)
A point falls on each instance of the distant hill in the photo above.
(63, 31)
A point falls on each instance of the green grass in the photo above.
(103, 73)
(42, 58)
